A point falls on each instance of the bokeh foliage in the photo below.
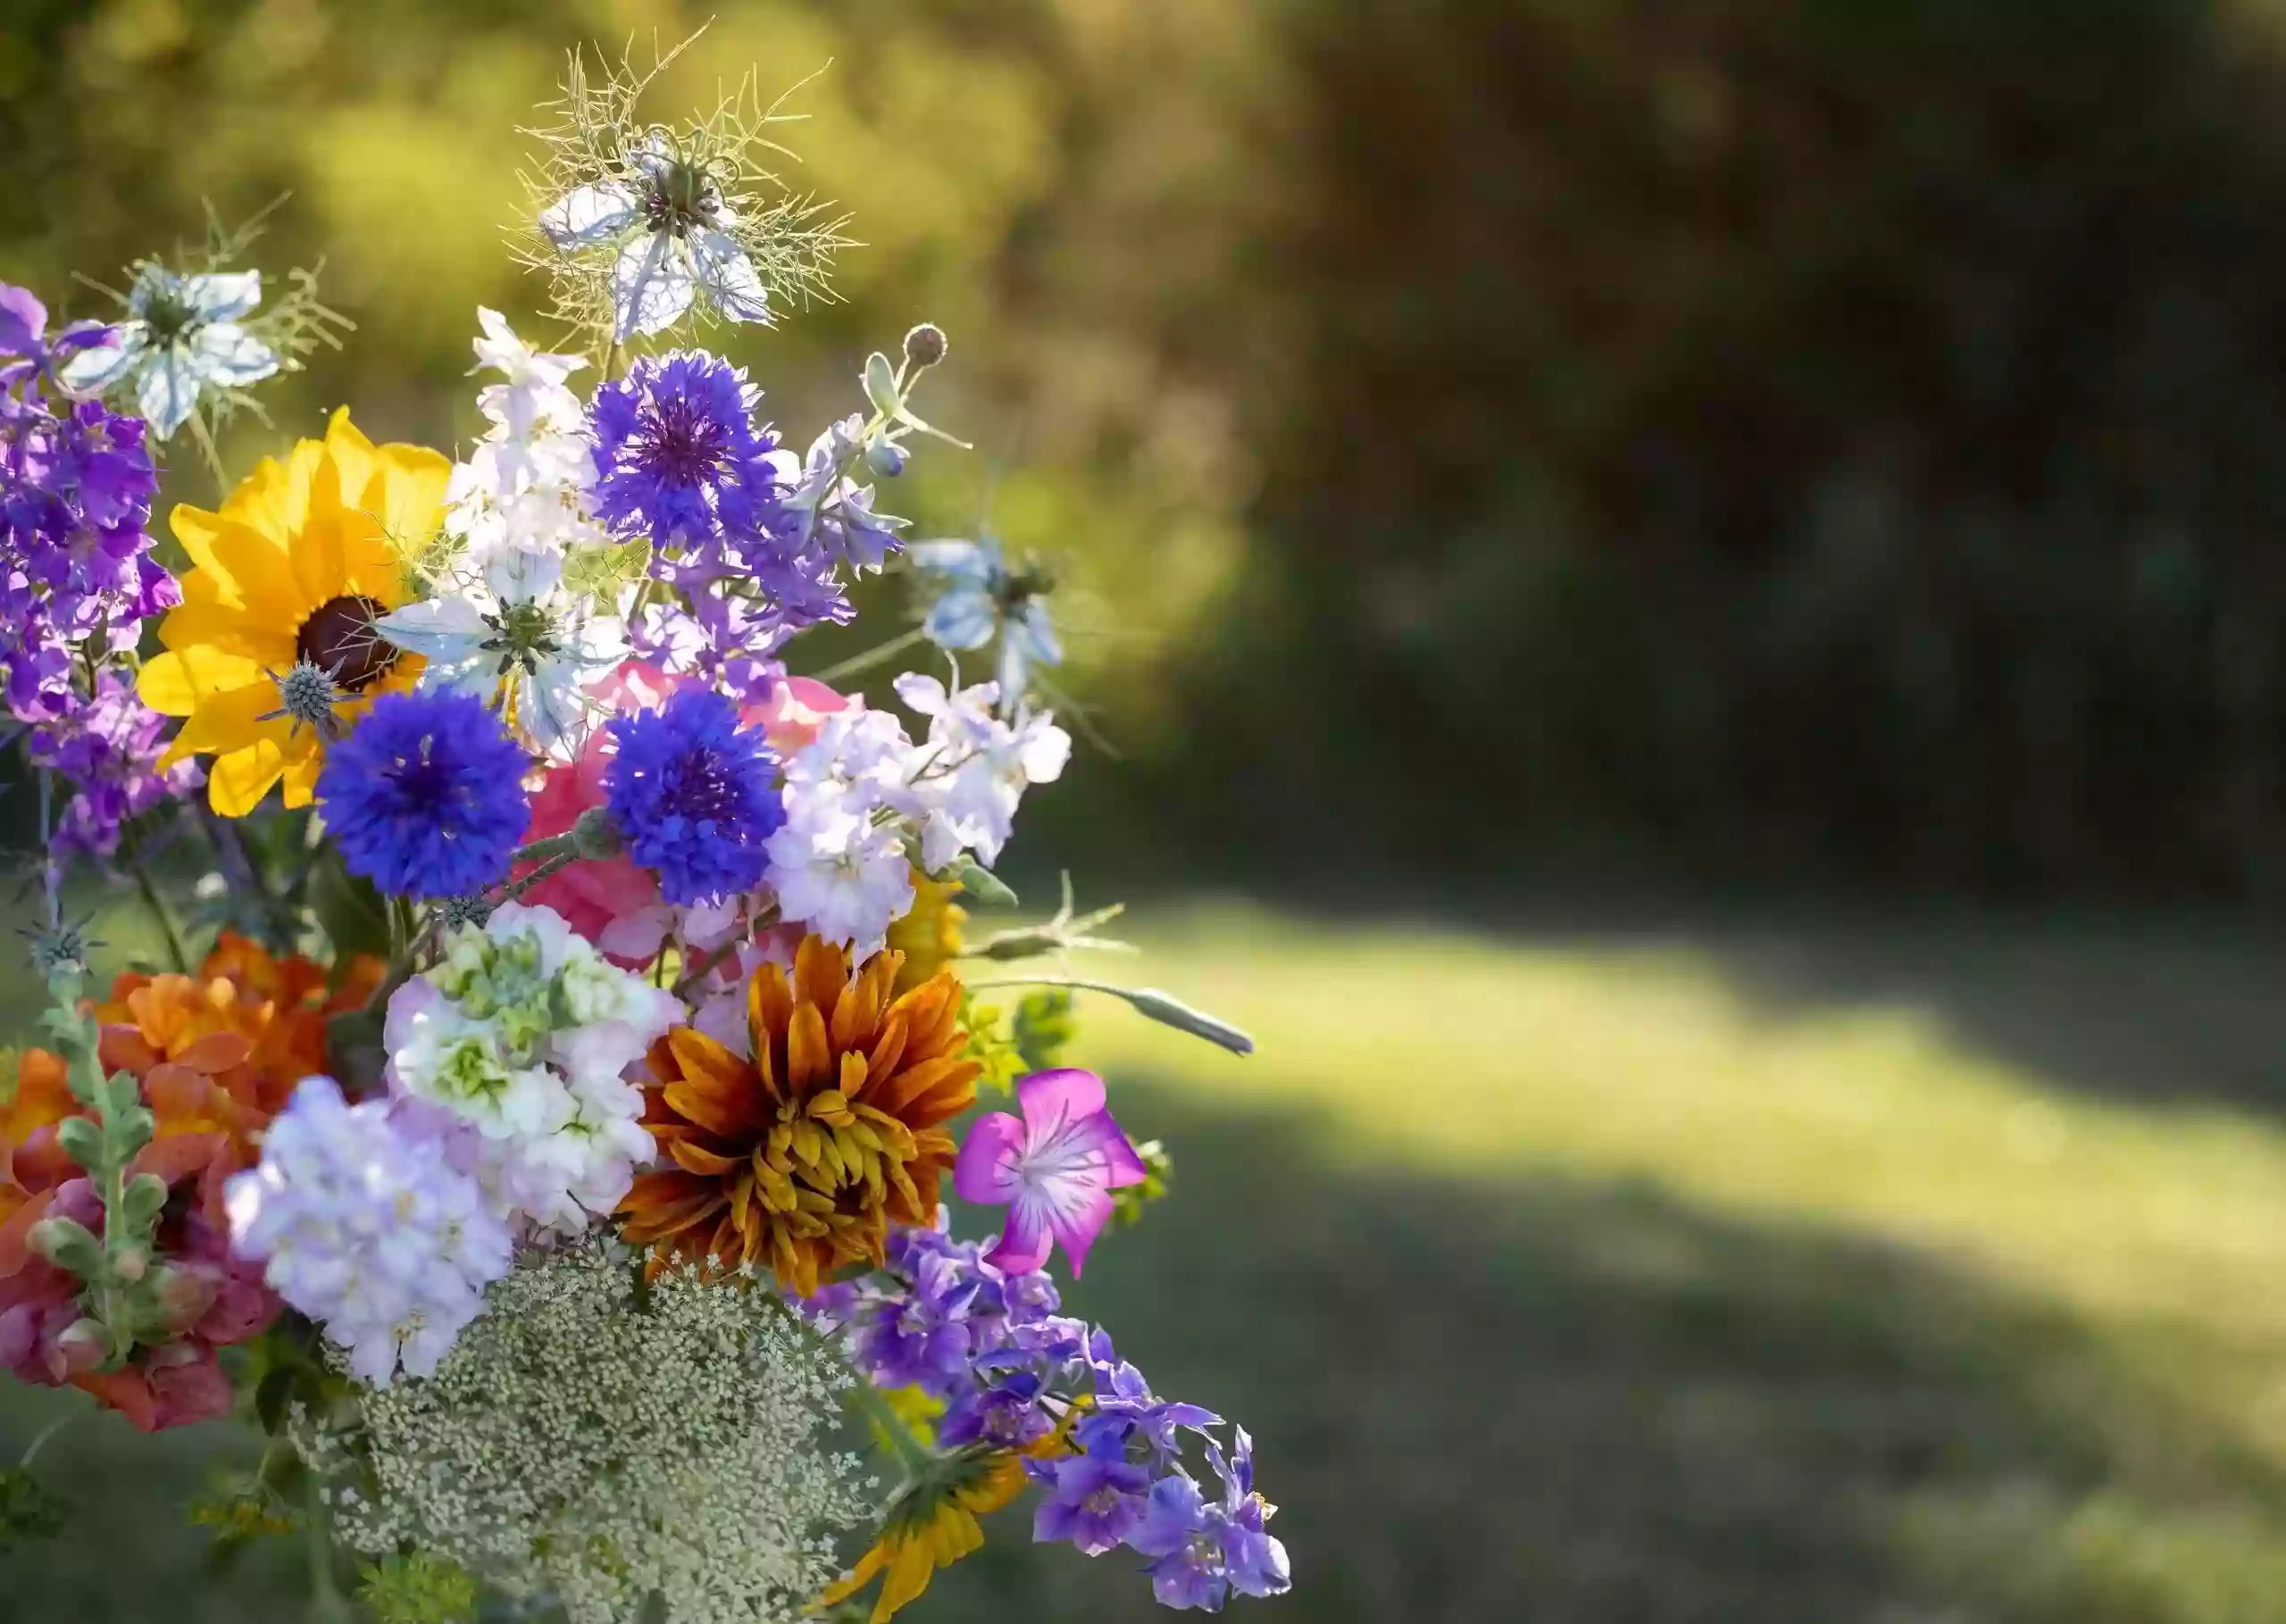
(1826, 437)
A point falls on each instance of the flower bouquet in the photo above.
(541, 1125)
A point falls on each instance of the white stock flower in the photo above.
(512, 1052)
(844, 875)
(976, 767)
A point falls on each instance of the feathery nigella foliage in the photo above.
(566, 1163)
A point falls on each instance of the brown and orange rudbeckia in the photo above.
(796, 1162)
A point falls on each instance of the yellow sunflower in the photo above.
(934, 1524)
(292, 572)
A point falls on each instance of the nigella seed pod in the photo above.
(925, 345)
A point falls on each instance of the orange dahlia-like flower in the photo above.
(799, 1159)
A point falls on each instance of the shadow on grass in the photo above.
(2144, 1012)
(1533, 1399)
(1557, 1401)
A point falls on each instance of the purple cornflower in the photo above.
(109, 748)
(694, 797)
(678, 457)
(681, 460)
(425, 796)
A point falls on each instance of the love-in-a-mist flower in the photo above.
(695, 795)
(515, 631)
(1054, 1170)
(424, 796)
(979, 598)
(182, 335)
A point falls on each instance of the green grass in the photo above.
(1801, 1275)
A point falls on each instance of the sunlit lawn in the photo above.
(1774, 1274)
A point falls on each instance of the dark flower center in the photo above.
(703, 791)
(339, 637)
(681, 198)
(682, 443)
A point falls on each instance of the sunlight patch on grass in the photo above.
(1449, 1052)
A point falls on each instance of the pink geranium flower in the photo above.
(1054, 1170)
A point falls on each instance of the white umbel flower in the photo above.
(600, 1448)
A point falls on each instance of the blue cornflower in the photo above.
(425, 796)
(678, 457)
(694, 797)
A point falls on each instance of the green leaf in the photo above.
(349, 910)
(1042, 1027)
(274, 1398)
(29, 1509)
(880, 385)
(982, 884)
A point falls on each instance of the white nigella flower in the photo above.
(979, 598)
(515, 624)
(502, 614)
(674, 236)
(182, 334)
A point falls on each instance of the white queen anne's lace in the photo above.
(598, 1447)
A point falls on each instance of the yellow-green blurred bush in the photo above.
(1780, 436)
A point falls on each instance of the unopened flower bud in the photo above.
(67, 1244)
(924, 346)
(83, 1347)
(1169, 1011)
(885, 458)
(595, 835)
(132, 1264)
(183, 1294)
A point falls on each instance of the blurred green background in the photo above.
(1710, 569)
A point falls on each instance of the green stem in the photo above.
(554, 864)
(547, 847)
(911, 1453)
(871, 657)
(158, 907)
(327, 1602)
(39, 1441)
